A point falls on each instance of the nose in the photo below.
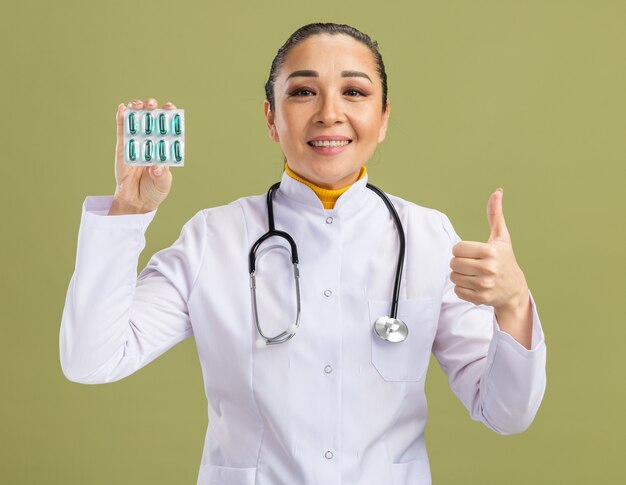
(331, 110)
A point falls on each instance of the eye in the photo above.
(355, 91)
(298, 91)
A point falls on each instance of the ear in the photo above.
(385, 121)
(269, 119)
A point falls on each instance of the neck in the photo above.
(328, 197)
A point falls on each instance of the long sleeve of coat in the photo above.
(115, 322)
(499, 381)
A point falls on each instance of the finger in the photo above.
(466, 266)
(467, 294)
(169, 105)
(472, 249)
(160, 173)
(135, 104)
(495, 217)
(150, 103)
(119, 116)
(464, 281)
(119, 121)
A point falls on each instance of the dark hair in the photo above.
(324, 28)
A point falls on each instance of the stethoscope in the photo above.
(388, 328)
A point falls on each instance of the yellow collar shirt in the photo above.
(335, 405)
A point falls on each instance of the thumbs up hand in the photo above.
(487, 273)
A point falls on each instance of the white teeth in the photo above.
(329, 143)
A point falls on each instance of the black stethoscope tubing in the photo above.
(294, 251)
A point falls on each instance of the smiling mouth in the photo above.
(329, 143)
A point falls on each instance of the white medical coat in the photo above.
(335, 404)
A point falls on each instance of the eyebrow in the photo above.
(309, 73)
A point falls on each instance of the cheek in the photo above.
(367, 126)
(290, 127)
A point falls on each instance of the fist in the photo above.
(488, 273)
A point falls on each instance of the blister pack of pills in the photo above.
(154, 137)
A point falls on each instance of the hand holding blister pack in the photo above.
(154, 137)
(143, 178)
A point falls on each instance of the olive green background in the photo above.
(527, 95)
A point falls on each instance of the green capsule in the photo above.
(162, 124)
(132, 124)
(147, 153)
(178, 127)
(162, 151)
(177, 151)
(131, 153)
(148, 123)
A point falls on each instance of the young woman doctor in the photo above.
(313, 378)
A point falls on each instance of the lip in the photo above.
(330, 150)
(330, 137)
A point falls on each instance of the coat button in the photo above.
(328, 369)
(327, 293)
(329, 220)
(328, 455)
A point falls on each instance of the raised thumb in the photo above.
(495, 216)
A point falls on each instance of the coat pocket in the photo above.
(416, 472)
(224, 475)
(406, 360)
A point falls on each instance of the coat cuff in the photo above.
(514, 381)
(537, 340)
(96, 209)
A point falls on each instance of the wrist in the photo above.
(517, 320)
(119, 207)
(517, 305)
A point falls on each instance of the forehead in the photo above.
(324, 52)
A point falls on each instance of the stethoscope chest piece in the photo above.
(391, 329)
